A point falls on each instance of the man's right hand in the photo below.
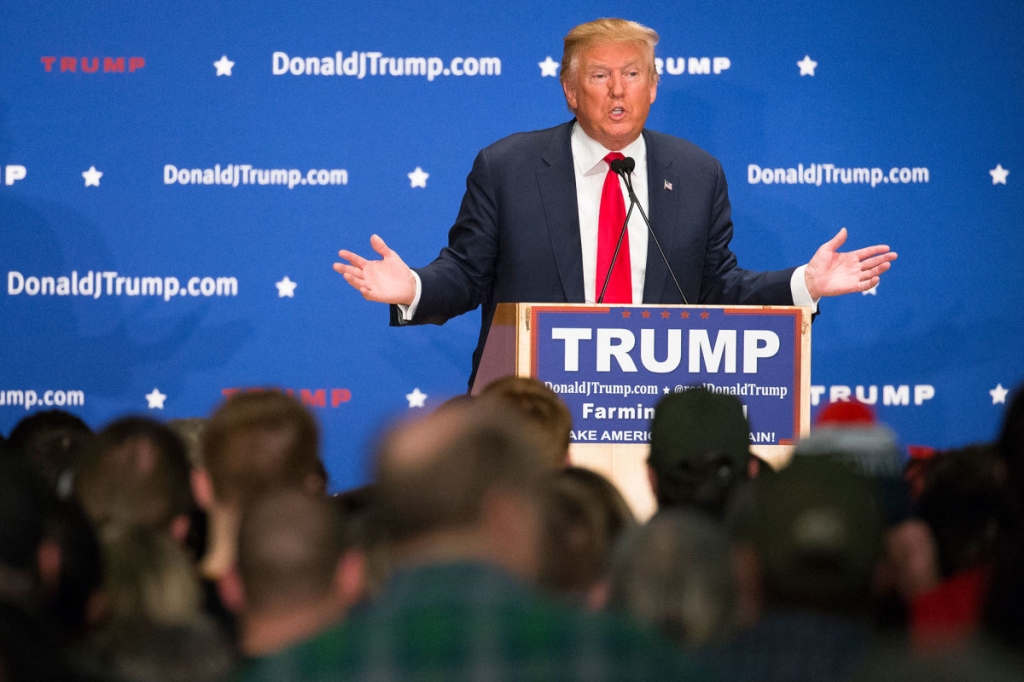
(388, 280)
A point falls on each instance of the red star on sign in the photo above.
(625, 313)
(685, 315)
(645, 314)
(704, 315)
(665, 314)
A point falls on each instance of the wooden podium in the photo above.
(612, 363)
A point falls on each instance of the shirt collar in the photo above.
(590, 153)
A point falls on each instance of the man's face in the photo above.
(611, 92)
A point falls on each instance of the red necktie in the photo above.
(609, 225)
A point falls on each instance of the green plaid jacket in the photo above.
(471, 621)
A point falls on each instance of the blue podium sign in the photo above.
(611, 364)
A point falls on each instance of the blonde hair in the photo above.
(606, 31)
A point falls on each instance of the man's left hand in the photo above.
(831, 273)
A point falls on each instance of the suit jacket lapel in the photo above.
(557, 183)
(663, 188)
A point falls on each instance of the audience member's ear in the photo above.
(598, 595)
(910, 560)
(202, 488)
(232, 591)
(350, 577)
(746, 570)
(48, 560)
(511, 522)
(180, 526)
(652, 478)
(315, 484)
(96, 608)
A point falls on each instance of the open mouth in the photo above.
(618, 113)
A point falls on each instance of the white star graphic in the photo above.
(156, 399)
(998, 395)
(548, 67)
(286, 288)
(224, 66)
(418, 178)
(92, 177)
(807, 66)
(873, 291)
(999, 174)
(416, 398)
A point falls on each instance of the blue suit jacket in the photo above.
(517, 236)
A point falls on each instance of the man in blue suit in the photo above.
(528, 229)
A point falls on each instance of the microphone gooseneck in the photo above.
(624, 167)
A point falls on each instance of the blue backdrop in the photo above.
(125, 126)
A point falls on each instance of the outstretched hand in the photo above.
(388, 280)
(831, 273)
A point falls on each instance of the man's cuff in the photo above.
(798, 287)
(409, 311)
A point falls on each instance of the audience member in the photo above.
(541, 408)
(1004, 608)
(584, 516)
(298, 571)
(137, 473)
(73, 604)
(31, 646)
(191, 433)
(675, 573)
(149, 582)
(961, 502)
(358, 508)
(52, 441)
(817, 536)
(154, 609)
(253, 444)
(458, 496)
(850, 432)
(700, 450)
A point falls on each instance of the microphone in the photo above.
(624, 167)
(626, 164)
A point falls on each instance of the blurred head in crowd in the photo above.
(35, 629)
(1011, 445)
(675, 573)
(358, 508)
(462, 484)
(584, 517)
(260, 441)
(73, 603)
(52, 441)
(298, 568)
(850, 432)
(137, 473)
(961, 502)
(153, 628)
(150, 583)
(541, 408)
(1004, 611)
(26, 566)
(253, 444)
(190, 431)
(699, 450)
(817, 535)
